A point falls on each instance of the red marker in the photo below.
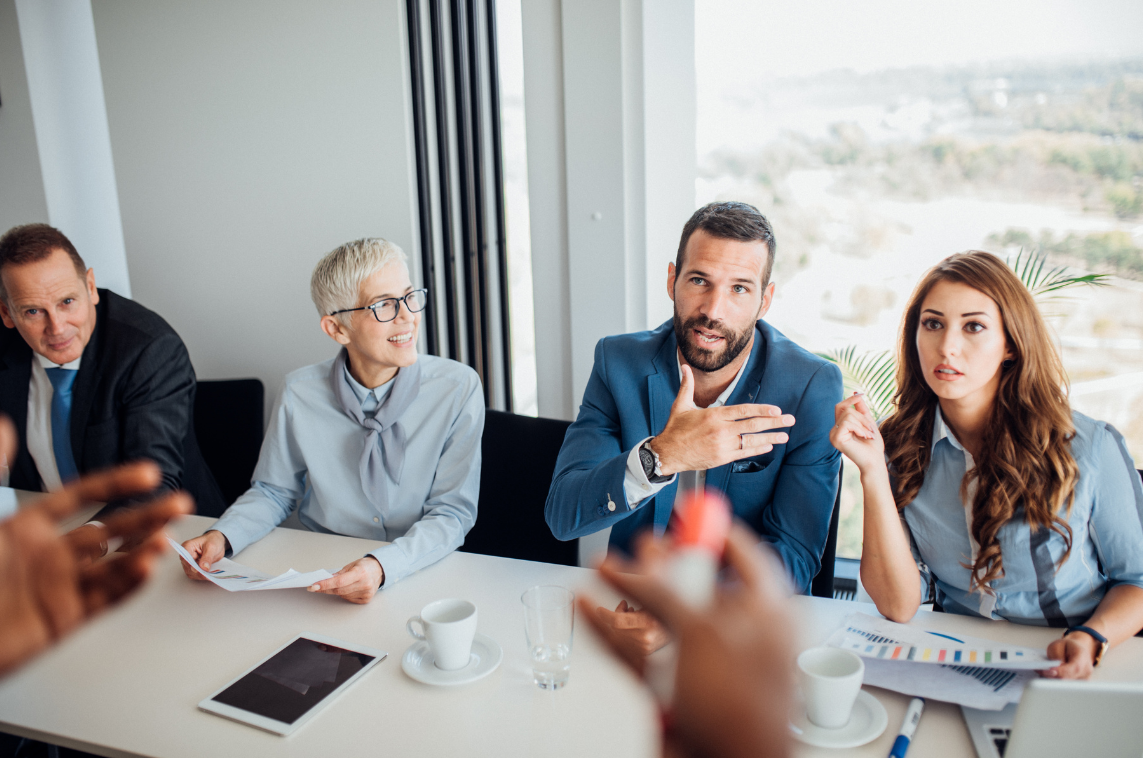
(700, 526)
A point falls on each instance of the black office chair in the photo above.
(822, 584)
(518, 456)
(228, 417)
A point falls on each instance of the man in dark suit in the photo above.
(708, 398)
(91, 379)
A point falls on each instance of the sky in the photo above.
(740, 41)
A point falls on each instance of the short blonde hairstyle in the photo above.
(337, 277)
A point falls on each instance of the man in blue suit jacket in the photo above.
(698, 400)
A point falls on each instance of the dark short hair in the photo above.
(731, 221)
(34, 242)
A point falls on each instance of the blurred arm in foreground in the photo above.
(734, 680)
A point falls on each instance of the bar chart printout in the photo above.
(872, 637)
(964, 670)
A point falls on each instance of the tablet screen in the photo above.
(294, 680)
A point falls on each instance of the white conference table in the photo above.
(128, 683)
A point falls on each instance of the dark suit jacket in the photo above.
(786, 495)
(133, 399)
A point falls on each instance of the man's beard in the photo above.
(700, 357)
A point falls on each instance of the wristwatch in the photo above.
(652, 469)
(1099, 638)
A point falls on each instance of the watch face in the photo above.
(647, 460)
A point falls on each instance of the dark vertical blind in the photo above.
(421, 158)
(500, 207)
(468, 216)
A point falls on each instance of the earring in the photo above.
(1008, 363)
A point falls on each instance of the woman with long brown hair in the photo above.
(984, 485)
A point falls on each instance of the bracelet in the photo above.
(1100, 640)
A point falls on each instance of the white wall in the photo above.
(610, 104)
(250, 139)
(547, 204)
(602, 265)
(669, 140)
(22, 198)
(66, 94)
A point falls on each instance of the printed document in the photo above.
(238, 578)
(873, 637)
(956, 669)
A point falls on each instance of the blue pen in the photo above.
(912, 718)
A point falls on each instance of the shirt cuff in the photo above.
(230, 541)
(636, 486)
(394, 563)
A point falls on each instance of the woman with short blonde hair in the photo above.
(377, 442)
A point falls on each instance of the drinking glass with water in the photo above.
(549, 618)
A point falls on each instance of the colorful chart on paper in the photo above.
(871, 637)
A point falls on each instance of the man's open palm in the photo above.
(697, 439)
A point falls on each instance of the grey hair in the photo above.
(338, 276)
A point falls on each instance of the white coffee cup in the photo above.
(448, 626)
(830, 678)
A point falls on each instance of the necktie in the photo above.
(62, 380)
(384, 450)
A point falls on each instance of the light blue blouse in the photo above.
(1107, 535)
(311, 456)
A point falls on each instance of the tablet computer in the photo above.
(287, 689)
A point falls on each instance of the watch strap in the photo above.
(1099, 638)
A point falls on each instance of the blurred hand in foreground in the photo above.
(48, 585)
(734, 676)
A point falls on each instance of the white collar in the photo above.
(48, 363)
(721, 399)
(941, 430)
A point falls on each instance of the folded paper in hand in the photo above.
(965, 670)
(238, 578)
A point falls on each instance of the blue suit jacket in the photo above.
(786, 495)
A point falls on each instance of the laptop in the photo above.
(1068, 718)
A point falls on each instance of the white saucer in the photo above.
(486, 656)
(866, 723)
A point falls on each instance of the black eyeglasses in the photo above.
(387, 309)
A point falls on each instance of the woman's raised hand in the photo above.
(856, 435)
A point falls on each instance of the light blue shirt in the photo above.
(1107, 535)
(311, 458)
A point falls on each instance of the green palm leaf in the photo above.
(1042, 281)
(874, 374)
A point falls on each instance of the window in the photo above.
(881, 137)
(511, 57)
